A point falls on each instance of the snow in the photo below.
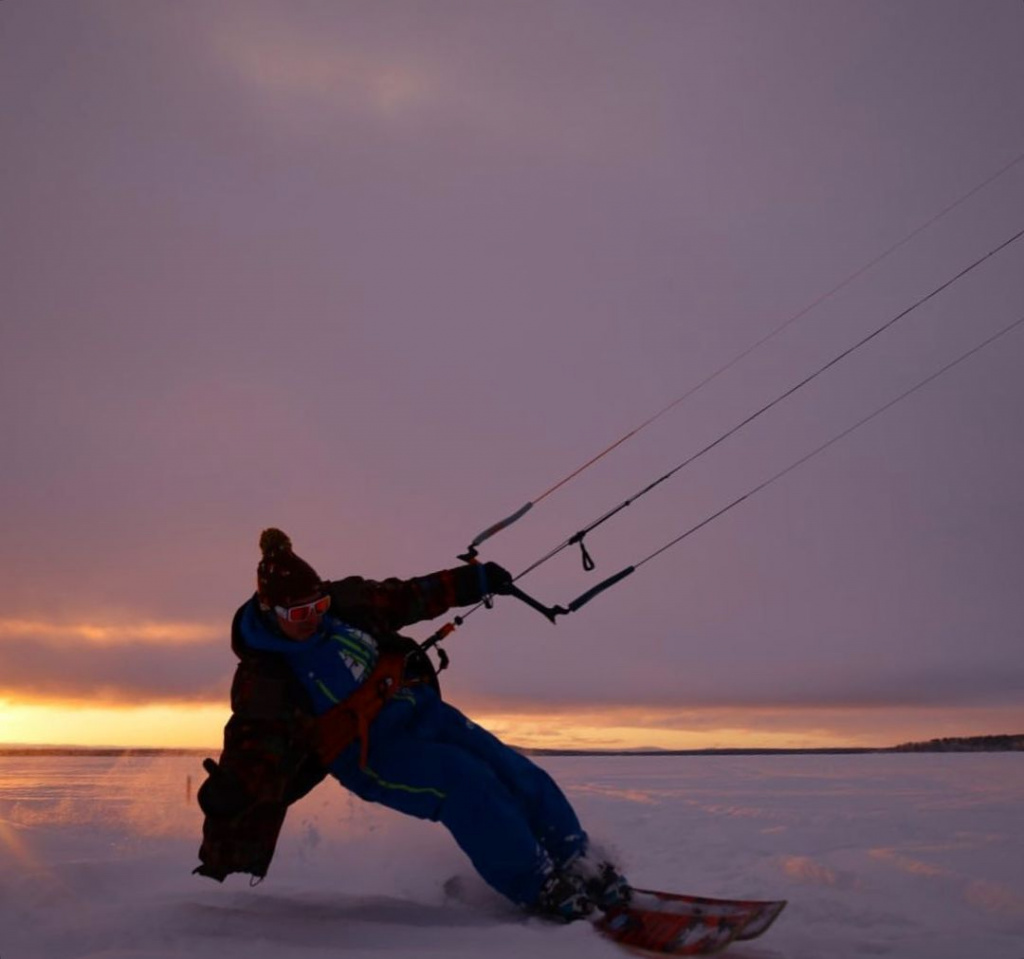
(911, 856)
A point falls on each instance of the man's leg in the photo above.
(551, 817)
(445, 783)
(543, 804)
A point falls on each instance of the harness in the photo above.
(350, 719)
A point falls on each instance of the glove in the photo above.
(222, 795)
(499, 579)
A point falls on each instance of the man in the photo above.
(325, 684)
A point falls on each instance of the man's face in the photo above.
(300, 620)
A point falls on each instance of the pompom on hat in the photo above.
(282, 578)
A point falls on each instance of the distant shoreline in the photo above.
(949, 744)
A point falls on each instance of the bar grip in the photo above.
(586, 597)
(500, 525)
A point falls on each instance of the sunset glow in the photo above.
(146, 726)
(199, 725)
(377, 275)
(105, 633)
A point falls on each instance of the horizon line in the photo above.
(1017, 740)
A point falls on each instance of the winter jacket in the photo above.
(275, 747)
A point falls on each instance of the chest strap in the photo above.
(350, 719)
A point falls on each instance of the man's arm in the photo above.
(394, 603)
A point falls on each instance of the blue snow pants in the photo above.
(428, 760)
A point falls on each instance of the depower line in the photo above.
(835, 439)
(777, 330)
(502, 524)
(552, 612)
(578, 537)
(586, 597)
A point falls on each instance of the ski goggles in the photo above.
(304, 611)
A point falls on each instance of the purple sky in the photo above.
(380, 272)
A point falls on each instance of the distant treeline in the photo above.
(965, 744)
(950, 744)
(737, 751)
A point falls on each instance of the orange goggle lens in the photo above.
(299, 614)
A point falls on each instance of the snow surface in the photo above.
(912, 856)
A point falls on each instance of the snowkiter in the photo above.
(325, 684)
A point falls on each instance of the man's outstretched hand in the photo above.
(499, 579)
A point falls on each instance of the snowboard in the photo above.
(665, 923)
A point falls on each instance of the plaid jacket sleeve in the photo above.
(266, 764)
(393, 603)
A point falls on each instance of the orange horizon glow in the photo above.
(129, 630)
(75, 716)
(199, 725)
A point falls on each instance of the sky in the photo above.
(381, 273)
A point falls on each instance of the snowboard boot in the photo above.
(607, 888)
(563, 898)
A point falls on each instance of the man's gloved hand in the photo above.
(222, 795)
(499, 579)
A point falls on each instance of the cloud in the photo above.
(288, 65)
(176, 633)
(783, 685)
(155, 662)
(995, 898)
(793, 725)
(317, 75)
(158, 660)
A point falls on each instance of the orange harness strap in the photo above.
(350, 720)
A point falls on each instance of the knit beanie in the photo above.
(282, 578)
